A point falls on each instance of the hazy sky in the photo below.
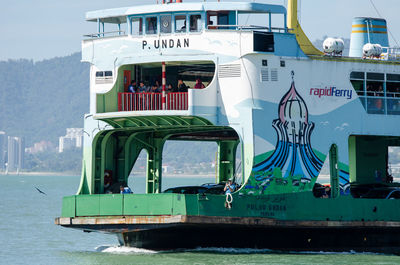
(42, 29)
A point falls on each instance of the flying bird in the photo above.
(40, 191)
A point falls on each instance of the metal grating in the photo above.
(274, 74)
(229, 70)
(264, 75)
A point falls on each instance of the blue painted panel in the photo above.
(286, 45)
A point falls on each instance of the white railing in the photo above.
(105, 34)
(390, 54)
(246, 27)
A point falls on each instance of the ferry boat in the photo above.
(285, 106)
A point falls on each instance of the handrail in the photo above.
(102, 34)
(245, 27)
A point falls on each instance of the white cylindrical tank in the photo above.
(372, 50)
(339, 45)
(332, 45)
(329, 45)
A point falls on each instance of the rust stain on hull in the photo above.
(213, 220)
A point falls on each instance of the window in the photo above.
(215, 19)
(375, 93)
(165, 24)
(195, 23)
(151, 25)
(212, 21)
(223, 19)
(104, 77)
(180, 23)
(357, 80)
(137, 26)
(393, 94)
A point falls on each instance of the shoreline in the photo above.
(39, 174)
(78, 174)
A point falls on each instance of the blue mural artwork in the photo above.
(293, 166)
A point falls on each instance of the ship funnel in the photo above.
(367, 30)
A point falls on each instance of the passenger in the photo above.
(181, 86)
(229, 187)
(132, 87)
(125, 190)
(159, 87)
(169, 88)
(379, 101)
(107, 182)
(327, 192)
(154, 89)
(183, 28)
(370, 91)
(210, 25)
(199, 84)
(142, 87)
(389, 178)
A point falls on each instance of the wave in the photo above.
(133, 250)
(270, 251)
(231, 250)
(124, 250)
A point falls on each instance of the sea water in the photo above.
(28, 234)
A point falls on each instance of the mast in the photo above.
(294, 26)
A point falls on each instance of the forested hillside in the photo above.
(39, 100)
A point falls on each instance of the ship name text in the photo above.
(331, 92)
(165, 44)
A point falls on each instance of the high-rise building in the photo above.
(16, 152)
(3, 150)
(73, 138)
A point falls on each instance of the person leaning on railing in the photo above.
(132, 87)
(142, 87)
(182, 87)
(199, 84)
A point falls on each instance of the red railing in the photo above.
(152, 101)
(177, 101)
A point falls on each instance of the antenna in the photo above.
(390, 32)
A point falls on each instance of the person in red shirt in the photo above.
(199, 84)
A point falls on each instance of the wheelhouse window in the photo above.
(166, 24)
(180, 23)
(137, 26)
(195, 23)
(151, 25)
(215, 19)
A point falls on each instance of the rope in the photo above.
(228, 201)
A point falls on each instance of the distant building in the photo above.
(40, 147)
(15, 154)
(3, 150)
(73, 138)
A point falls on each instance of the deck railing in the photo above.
(105, 34)
(152, 101)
